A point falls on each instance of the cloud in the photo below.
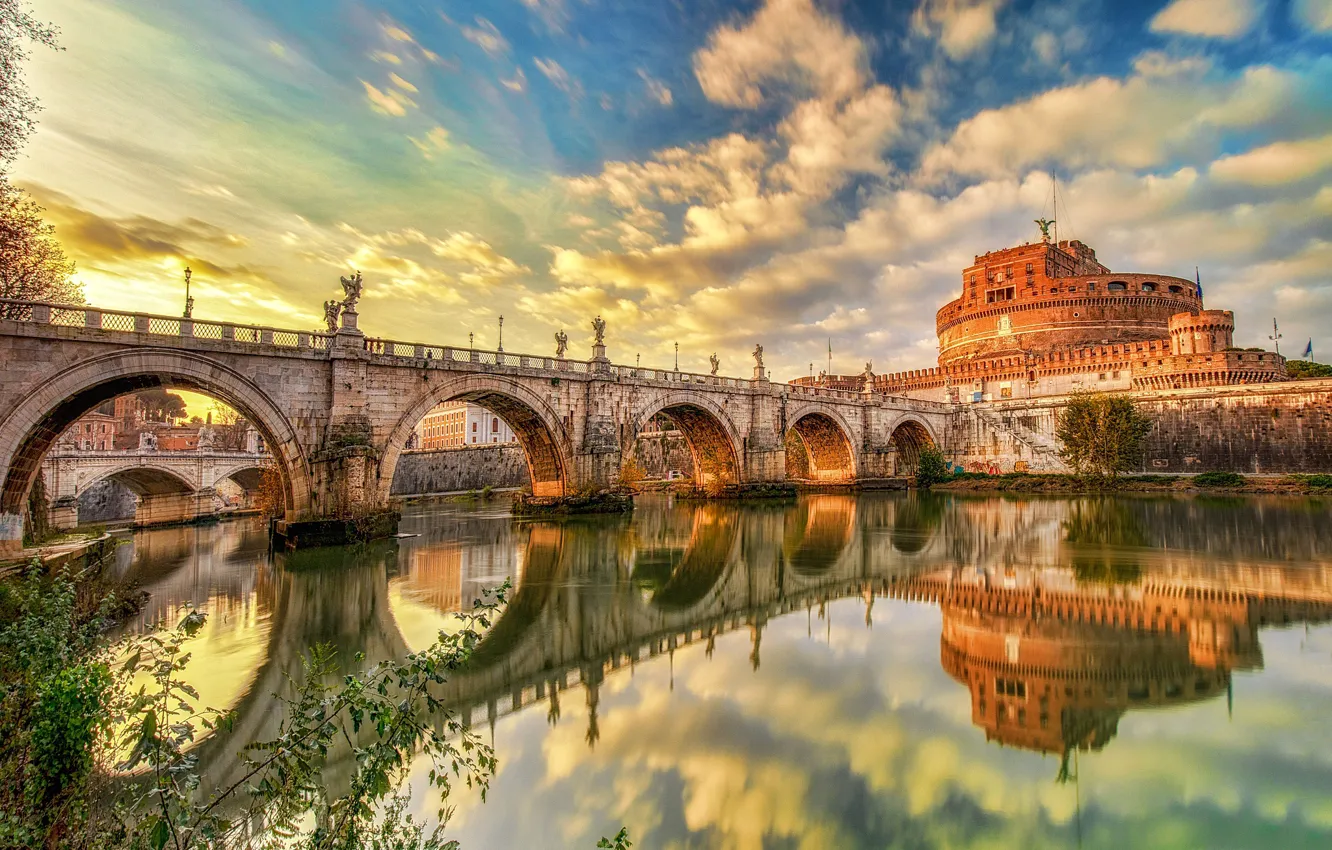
(554, 13)
(1167, 108)
(558, 77)
(656, 88)
(1277, 163)
(486, 36)
(436, 141)
(122, 241)
(471, 259)
(518, 82)
(787, 42)
(962, 26)
(1314, 14)
(388, 101)
(1208, 18)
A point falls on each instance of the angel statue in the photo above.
(561, 344)
(599, 328)
(716, 363)
(1044, 225)
(331, 311)
(869, 367)
(758, 356)
(351, 289)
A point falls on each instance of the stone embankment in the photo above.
(1207, 483)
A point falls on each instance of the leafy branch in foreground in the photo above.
(385, 717)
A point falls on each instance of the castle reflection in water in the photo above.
(1058, 615)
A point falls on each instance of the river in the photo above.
(838, 672)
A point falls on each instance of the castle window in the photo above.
(1030, 269)
(1116, 286)
(1176, 289)
(1149, 287)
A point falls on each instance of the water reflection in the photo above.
(1059, 617)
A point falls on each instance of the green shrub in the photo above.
(1219, 479)
(1102, 435)
(931, 468)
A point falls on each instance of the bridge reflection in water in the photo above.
(1059, 616)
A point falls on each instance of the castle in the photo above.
(1047, 318)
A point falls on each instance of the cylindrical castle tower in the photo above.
(1203, 332)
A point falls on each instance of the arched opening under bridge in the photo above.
(707, 431)
(818, 448)
(52, 408)
(910, 438)
(499, 413)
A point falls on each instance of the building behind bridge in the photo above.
(1047, 319)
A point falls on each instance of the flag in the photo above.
(1198, 278)
(1308, 350)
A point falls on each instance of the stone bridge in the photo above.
(336, 409)
(170, 486)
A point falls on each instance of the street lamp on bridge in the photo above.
(189, 302)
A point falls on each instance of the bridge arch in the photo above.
(825, 435)
(816, 533)
(909, 436)
(540, 432)
(682, 576)
(143, 477)
(29, 431)
(714, 441)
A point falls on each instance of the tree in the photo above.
(1102, 435)
(33, 266)
(1303, 369)
(931, 468)
(17, 105)
(228, 427)
(160, 405)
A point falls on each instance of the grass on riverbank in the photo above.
(1208, 482)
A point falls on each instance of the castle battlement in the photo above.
(1048, 318)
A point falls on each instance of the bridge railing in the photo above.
(96, 318)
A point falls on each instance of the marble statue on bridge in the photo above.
(599, 329)
(351, 290)
(716, 363)
(561, 344)
(332, 309)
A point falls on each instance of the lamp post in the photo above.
(189, 302)
(501, 332)
(471, 339)
(677, 357)
(1276, 336)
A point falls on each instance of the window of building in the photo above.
(1176, 289)
(1030, 269)
(494, 426)
(1116, 286)
(473, 427)
(1100, 377)
(1149, 287)
(1010, 688)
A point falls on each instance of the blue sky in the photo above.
(712, 173)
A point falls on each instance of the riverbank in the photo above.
(1229, 483)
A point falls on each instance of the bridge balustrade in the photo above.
(73, 316)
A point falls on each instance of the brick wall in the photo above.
(1262, 428)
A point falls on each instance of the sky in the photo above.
(717, 174)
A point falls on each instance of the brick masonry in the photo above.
(1262, 428)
